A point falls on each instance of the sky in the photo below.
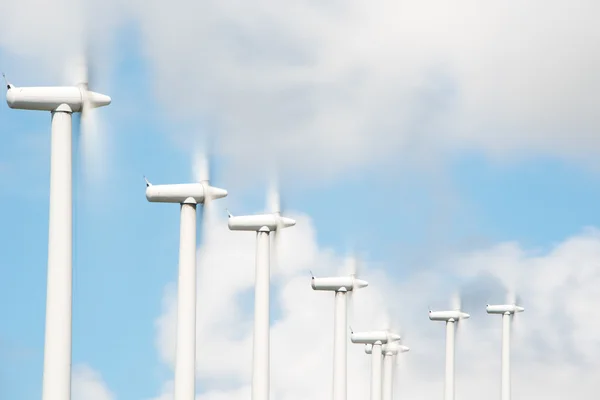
(453, 146)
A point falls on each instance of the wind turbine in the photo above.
(377, 339)
(451, 318)
(263, 225)
(507, 311)
(61, 102)
(188, 196)
(390, 352)
(342, 286)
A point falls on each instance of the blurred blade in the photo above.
(92, 142)
(92, 145)
(202, 214)
(201, 173)
(274, 206)
(77, 71)
(511, 296)
(201, 167)
(456, 301)
(350, 305)
(273, 199)
(354, 265)
(275, 252)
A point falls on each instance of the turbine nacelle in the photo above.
(392, 348)
(272, 222)
(49, 98)
(504, 309)
(346, 283)
(374, 337)
(448, 315)
(194, 193)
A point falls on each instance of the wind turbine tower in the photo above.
(188, 196)
(61, 102)
(377, 339)
(343, 286)
(507, 311)
(263, 225)
(390, 352)
(451, 318)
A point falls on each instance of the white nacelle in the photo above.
(183, 193)
(337, 283)
(447, 315)
(256, 222)
(373, 337)
(394, 348)
(49, 98)
(503, 309)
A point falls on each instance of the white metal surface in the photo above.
(183, 193)
(448, 315)
(49, 98)
(338, 282)
(504, 308)
(185, 355)
(261, 348)
(449, 385)
(505, 387)
(62, 102)
(373, 336)
(263, 225)
(255, 222)
(188, 195)
(376, 371)
(340, 349)
(57, 347)
(388, 374)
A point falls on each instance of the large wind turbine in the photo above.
(188, 196)
(377, 339)
(507, 311)
(342, 286)
(451, 318)
(263, 225)
(390, 352)
(61, 102)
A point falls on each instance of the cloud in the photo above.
(87, 384)
(555, 345)
(326, 87)
(330, 86)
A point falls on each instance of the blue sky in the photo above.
(125, 249)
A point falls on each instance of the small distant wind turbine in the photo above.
(61, 102)
(188, 196)
(452, 318)
(507, 311)
(376, 339)
(390, 352)
(263, 225)
(342, 286)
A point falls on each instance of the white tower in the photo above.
(342, 286)
(61, 102)
(263, 225)
(507, 311)
(451, 318)
(390, 352)
(376, 339)
(187, 195)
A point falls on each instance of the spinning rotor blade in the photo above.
(92, 140)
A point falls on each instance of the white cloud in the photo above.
(327, 86)
(555, 345)
(323, 87)
(87, 384)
